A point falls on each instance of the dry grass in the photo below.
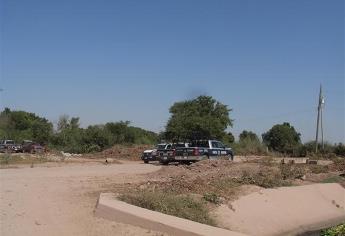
(183, 206)
(8, 160)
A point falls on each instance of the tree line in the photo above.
(68, 135)
(199, 118)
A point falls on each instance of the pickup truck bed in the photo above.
(167, 155)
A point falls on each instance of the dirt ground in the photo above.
(59, 199)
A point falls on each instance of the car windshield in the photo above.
(10, 142)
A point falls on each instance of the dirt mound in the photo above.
(216, 176)
(204, 169)
(338, 165)
(124, 152)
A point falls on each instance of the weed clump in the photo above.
(318, 169)
(212, 198)
(265, 177)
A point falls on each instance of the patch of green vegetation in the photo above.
(177, 205)
(289, 171)
(225, 183)
(318, 169)
(334, 231)
(212, 198)
(5, 159)
(334, 179)
(265, 177)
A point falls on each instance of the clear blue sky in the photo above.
(131, 60)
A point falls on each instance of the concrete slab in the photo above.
(110, 208)
(286, 211)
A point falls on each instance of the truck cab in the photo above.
(9, 145)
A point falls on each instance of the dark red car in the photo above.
(32, 147)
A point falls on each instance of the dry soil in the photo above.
(60, 200)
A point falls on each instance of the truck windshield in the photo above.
(160, 146)
(9, 142)
(202, 143)
(217, 145)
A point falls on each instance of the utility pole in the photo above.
(319, 115)
(1, 90)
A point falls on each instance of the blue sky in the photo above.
(131, 60)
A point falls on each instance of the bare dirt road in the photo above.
(60, 200)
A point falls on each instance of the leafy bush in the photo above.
(340, 150)
(248, 146)
(171, 204)
(334, 231)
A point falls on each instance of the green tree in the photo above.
(248, 135)
(69, 133)
(229, 138)
(282, 138)
(74, 123)
(19, 125)
(119, 131)
(42, 131)
(63, 123)
(200, 118)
